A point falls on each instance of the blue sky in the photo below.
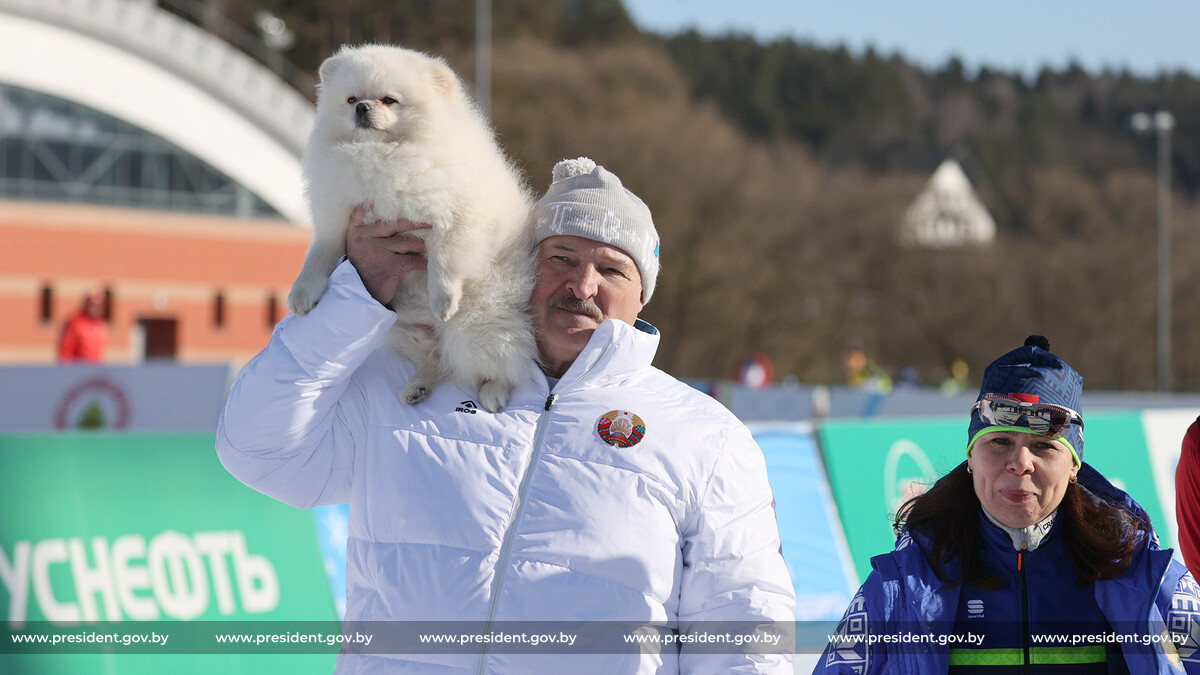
(1011, 35)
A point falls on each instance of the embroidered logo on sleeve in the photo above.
(620, 428)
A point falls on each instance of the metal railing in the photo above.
(197, 13)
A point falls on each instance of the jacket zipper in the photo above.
(510, 533)
(1024, 604)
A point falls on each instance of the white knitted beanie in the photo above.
(585, 200)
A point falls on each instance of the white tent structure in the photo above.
(947, 213)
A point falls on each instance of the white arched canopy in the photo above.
(61, 62)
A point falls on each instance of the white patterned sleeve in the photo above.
(849, 651)
(1183, 621)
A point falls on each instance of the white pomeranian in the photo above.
(395, 130)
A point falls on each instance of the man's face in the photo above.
(580, 282)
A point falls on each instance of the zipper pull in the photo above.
(1020, 554)
(550, 400)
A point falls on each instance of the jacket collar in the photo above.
(1028, 538)
(615, 351)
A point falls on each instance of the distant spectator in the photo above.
(957, 382)
(1187, 497)
(85, 335)
(863, 373)
(909, 378)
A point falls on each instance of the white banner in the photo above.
(1164, 440)
(152, 397)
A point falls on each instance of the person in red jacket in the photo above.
(85, 334)
(1187, 497)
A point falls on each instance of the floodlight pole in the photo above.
(1162, 123)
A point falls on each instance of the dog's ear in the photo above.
(330, 66)
(444, 80)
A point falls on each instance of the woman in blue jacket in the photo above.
(1023, 558)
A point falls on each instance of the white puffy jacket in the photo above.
(458, 514)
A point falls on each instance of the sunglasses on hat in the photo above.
(1043, 418)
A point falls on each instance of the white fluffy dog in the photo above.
(395, 130)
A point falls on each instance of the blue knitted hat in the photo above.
(1032, 370)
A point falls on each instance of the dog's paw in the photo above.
(415, 391)
(493, 395)
(444, 301)
(305, 295)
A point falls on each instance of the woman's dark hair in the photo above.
(1100, 538)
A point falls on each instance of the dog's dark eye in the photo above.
(389, 101)
(352, 99)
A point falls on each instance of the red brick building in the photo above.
(195, 288)
(144, 156)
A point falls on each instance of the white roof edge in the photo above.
(179, 83)
(182, 48)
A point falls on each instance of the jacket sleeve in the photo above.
(295, 414)
(1187, 496)
(849, 651)
(1183, 619)
(68, 342)
(734, 577)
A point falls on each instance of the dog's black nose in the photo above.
(362, 108)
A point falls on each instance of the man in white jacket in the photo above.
(607, 501)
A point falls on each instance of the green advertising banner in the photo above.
(123, 537)
(874, 466)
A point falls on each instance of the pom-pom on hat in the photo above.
(586, 200)
(1033, 374)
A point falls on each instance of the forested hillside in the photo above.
(891, 116)
(778, 174)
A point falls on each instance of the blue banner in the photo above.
(814, 545)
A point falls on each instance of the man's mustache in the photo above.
(579, 306)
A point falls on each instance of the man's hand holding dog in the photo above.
(383, 252)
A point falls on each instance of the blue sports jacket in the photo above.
(903, 599)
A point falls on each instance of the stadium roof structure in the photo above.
(143, 66)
